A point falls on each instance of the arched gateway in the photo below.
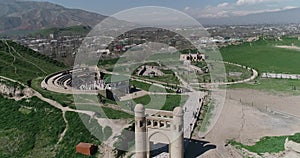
(149, 124)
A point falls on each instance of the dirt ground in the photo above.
(249, 115)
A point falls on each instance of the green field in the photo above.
(273, 86)
(263, 56)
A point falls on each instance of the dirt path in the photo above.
(62, 135)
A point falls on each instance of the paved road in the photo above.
(191, 108)
(191, 112)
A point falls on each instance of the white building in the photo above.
(192, 57)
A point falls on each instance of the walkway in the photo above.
(191, 108)
(254, 76)
(191, 112)
(281, 76)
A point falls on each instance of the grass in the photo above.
(167, 78)
(265, 145)
(268, 144)
(162, 102)
(150, 87)
(35, 131)
(78, 132)
(116, 114)
(29, 132)
(245, 74)
(105, 112)
(153, 101)
(27, 63)
(207, 113)
(206, 77)
(274, 86)
(264, 56)
(10, 83)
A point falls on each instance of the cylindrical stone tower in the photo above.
(140, 132)
(177, 134)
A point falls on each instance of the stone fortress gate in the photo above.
(156, 126)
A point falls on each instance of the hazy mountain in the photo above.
(16, 15)
(280, 17)
(25, 15)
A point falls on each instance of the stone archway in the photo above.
(158, 143)
(149, 122)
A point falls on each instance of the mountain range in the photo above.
(16, 15)
(26, 15)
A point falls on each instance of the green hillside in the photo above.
(21, 63)
(32, 128)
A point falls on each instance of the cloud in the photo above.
(187, 8)
(220, 10)
(247, 12)
(243, 2)
(234, 9)
(221, 5)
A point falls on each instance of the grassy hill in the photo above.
(21, 63)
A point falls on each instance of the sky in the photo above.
(195, 8)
